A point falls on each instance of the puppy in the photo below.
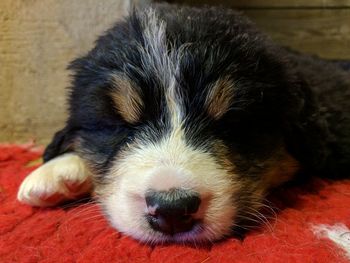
(182, 119)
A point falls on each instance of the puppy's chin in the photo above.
(169, 164)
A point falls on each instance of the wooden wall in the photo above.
(38, 38)
(315, 26)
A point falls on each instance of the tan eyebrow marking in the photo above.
(127, 99)
(220, 97)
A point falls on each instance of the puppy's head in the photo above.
(181, 124)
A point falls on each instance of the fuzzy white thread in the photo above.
(338, 233)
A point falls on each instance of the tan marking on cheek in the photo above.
(220, 97)
(282, 169)
(126, 98)
(278, 169)
(223, 154)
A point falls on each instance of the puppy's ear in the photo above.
(62, 142)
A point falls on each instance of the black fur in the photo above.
(281, 97)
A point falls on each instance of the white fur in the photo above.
(338, 233)
(162, 61)
(52, 178)
(155, 54)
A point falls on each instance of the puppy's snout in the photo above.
(171, 211)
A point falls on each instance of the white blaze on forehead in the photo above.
(174, 102)
(163, 62)
(155, 54)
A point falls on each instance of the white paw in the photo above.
(62, 178)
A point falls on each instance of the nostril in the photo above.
(192, 204)
(171, 225)
(159, 223)
(185, 218)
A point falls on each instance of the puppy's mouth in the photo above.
(194, 235)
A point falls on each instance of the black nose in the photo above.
(170, 211)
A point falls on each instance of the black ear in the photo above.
(62, 142)
(306, 134)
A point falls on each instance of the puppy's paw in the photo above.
(62, 178)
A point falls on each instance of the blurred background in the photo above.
(38, 38)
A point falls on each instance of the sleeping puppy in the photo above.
(182, 119)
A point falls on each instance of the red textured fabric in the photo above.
(79, 233)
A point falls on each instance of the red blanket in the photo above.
(311, 226)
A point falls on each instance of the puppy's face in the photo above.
(183, 139)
